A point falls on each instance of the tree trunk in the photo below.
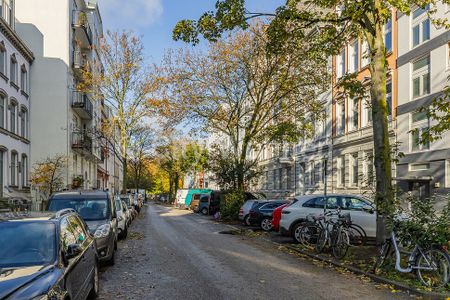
(125, 175)
(384, 197)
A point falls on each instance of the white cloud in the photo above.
(130, 14)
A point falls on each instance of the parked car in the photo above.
(127, 213)
(122, 221)
(195, 202)
(276, 217)
(132, 210)
(245, 210)
(47, 256)
(362, 212)
(98, 210)
(261, 213)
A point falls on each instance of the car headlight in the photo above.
(102, 231)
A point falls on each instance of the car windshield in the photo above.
(90, 209)
(27, 244)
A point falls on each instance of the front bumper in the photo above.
(105, 247)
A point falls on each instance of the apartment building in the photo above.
(15, 61)
(352, 142)
(63, 34)
(109, 167)
(423, 68)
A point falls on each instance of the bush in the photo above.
(424, 224)
(229, 208)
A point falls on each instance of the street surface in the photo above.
(174, 254)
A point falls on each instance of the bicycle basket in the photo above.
(345, 218)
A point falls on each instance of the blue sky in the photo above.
(155, 19)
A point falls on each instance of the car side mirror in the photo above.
(368, 208)
(73, 251)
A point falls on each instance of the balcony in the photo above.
(79, 62)
(81, 143)
(82, 105)
(82, 30)
(286, 157)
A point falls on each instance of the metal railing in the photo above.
(80, 19)
(81, 100)
(81, 141)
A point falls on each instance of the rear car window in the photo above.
(90, 209)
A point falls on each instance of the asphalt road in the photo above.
(173, 254)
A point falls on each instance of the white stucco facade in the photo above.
(63, 35)
(423, 69)
(15, 102)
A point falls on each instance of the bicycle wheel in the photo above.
(384, 253)
(309, 234)
(322, 240)
(357, 235)
(340, 243)
(433, 268)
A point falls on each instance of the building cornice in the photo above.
(16, 40)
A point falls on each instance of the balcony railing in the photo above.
(79, 61)
(80, 23)
(82, 105)
(286, 157)
(81, 142)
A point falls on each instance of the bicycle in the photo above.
(432, 264)
(334, 233)
(308, 233)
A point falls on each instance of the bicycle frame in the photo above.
(411, 259)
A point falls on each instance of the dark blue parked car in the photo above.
(261, 213)
(49, 256)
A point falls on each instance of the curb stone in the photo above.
(376, 278)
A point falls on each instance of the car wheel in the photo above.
(112, 260)
(120, 234)
(125, 233)
(266, 224)
(296, 232)
(204, 211)
(93, 294)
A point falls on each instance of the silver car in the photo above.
(245, 210)
(98, 210)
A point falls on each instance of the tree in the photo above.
(139, 155)
(333, 23)
(48, 175)
(245, 94)
(126, 83)
(195, 160)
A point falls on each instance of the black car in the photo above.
(51, 256)
(98, 210)
(261, 213)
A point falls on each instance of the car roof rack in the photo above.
(63, 212)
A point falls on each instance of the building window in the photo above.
(280, 179)
(419, 127)
(13, 70)
(368, 169)
(365, 54)
(2, 58)
(420, 26)
(421, 77)
(340, 63)
(354, 114)
(288, 178)
(353, 63)
(354, 169)
(341, 171)
(12, 119)
(24, 170)
(367, 114)
(13, 168)
(24, 79)
(2, 111)
(388, 35)
(324, 171)
(389, 98)
(419, 167)
(24, 122)
(274, 179)
(267, 180)
(340, 116)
